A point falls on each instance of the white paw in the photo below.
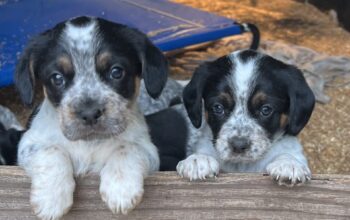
(52, 203)
(121, 196)
(198, 166)
(288, 172)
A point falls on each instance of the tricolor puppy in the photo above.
(89, 121)
(254, 107)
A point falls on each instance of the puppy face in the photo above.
(90, 70)
(250, 100)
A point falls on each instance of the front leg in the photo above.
(122, 179)
(288, 171)
(53, 184)
(201, 164)
(198, 166)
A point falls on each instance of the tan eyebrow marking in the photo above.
(283, 120)
(258, 98)
(227, 97)
(66, 64)
(103, 59)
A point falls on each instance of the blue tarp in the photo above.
(169, 25)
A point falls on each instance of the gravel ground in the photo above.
(326, 138)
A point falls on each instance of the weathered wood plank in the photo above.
(231, 196)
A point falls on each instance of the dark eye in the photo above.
(57, 79)
(116, 72)
(266, 110)
(218, 109)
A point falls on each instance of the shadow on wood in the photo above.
(167, 196)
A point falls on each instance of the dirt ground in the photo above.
(326, 138)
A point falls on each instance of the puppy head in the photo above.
(90, 70)
(250, 100)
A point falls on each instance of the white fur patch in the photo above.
(242, 76)
(80, 37)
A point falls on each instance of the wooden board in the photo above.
(167, 196)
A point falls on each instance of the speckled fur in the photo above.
(280, 155)
(58, 147)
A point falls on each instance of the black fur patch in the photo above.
(205, 78)
(287, 92)
(168, 130)
(9, 140)
(246, 55)
(80, 21)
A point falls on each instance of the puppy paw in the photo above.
(52, 203)
(198, 166)
(121, 197)
(288, 172)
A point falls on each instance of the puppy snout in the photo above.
(239, 144)
(90, 112)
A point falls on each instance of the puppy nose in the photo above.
(239, 144)
(91, 114)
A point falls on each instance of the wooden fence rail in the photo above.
(167, 196)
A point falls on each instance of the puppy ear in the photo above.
(29, 61)
(193, 93)
(301, 101)
(154, 68)
(25, 77)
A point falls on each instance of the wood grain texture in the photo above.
(167, 196)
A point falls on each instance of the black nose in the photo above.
(90, 114)
(239, 144)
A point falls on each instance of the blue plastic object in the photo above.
(169, 25)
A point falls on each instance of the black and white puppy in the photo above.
(255, 106)
(89, 121)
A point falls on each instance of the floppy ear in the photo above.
(27, 65)
(154, 68)
(25, 77)
(193, 93)
(301, 101)
(154, 64)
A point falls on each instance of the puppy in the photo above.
(254, 106)
(90, 70)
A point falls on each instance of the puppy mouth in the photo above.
(77, 131)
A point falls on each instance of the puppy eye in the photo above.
(116, 73)
(218, 109)
(266, 110)
(57, 79)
